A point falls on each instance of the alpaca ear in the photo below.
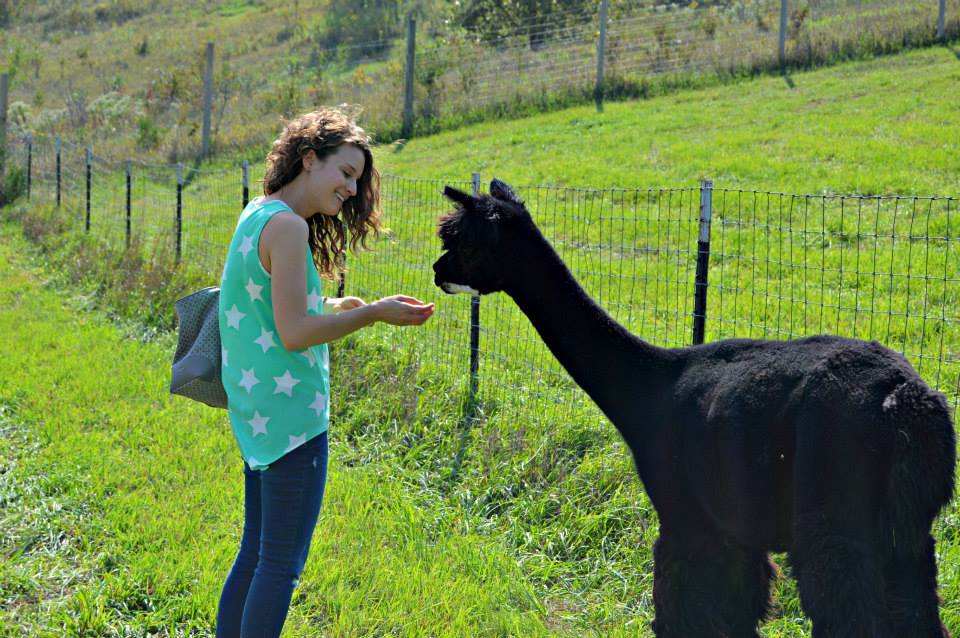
(499, 190)
(464, 199)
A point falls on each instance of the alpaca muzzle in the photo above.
(453, 289)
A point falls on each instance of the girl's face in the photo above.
(333, 180)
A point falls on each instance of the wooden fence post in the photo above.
(942, 21)
(207, 102)
(4, 83)
(408, 78)
(783, 33)
(601, 49)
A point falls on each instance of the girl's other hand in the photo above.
(401, 310)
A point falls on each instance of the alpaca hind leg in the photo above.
(706, 587)
(841, 586)
(912, 601)
(838, 508)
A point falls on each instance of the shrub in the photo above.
(148, 133)
(12, 185)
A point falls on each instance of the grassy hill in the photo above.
(127, 75)
(122, 505)
(884, 126)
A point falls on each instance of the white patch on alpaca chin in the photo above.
(889, 403)
(455, 288)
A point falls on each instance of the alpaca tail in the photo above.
(921, 479)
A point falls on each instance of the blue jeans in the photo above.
(281, 507)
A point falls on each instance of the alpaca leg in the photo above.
(837, 551)
(841, 585)
(912, 600)
(706, 587)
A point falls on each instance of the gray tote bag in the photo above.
(196, 363)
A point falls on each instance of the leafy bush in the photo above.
(148, 133)
(110, 110)
(372, 23)
(12, 185)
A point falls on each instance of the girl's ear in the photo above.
(309, 158)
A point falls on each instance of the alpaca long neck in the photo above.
(613, 366)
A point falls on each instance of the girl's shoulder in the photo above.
(262, 205)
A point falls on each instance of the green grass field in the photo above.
(516, 514)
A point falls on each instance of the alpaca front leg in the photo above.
(708, 587)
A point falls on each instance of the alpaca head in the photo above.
(479, 240)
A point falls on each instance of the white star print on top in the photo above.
(314, 299)
(308, 355)
(320, 403)
(265, 340)
(293, 442)
(254, 291)
(277, 399)
(234, 316)
(259, 423)
(285, 384)
(246, 245)
(249, 380)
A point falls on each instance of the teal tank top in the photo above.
(277, 399)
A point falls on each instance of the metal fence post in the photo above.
(342, 257)
(475, 322)
(29, 164)
(89, 158)
(942, 21)
(179, 208)
(246, 183)
(408, 77)
(129, 188)
(58, 147)
(783, 32)
(601, 49)
(703, 262)
(207, 102)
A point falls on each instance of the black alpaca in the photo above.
(832, 449)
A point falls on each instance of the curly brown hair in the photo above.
(323, 131)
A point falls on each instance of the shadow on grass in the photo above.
(469, 418)
(788, 79)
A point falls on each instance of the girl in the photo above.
(274, 327)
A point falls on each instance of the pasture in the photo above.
(503, 506)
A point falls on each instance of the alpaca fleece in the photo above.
(831, 449)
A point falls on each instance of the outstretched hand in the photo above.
(401, 310)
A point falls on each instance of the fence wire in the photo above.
(780, 266)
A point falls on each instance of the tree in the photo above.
(370, 23)
(537, 20)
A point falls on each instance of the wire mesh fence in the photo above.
(557, 56)
(884, 268)
(461, 74)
